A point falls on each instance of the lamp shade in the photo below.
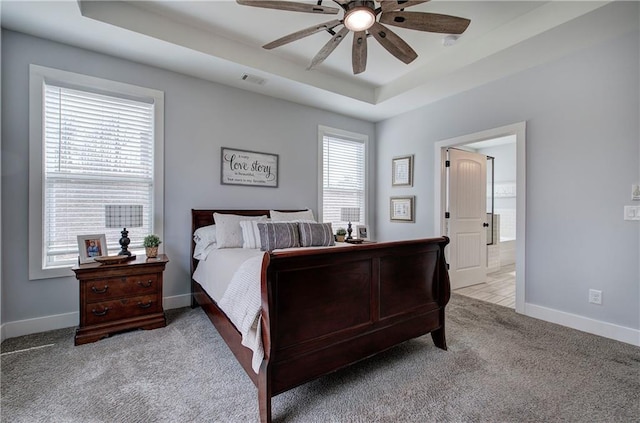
(123, 216)
(350, 214)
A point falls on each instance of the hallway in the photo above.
(500, 287)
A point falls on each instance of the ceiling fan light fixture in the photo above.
(359, 18)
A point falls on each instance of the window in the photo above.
(92, 143)
(343, 175)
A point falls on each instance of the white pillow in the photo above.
(205, 235)
(250, 234)
(306, 216)
(201, 251)
(205, 239)
(228, 230)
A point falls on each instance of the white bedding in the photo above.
(215, 272)
(231, 277)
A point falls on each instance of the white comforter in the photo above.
(231, 276)
(242, 303)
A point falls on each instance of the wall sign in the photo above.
(241, 167)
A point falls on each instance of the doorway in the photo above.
(478, 141)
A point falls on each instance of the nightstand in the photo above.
(119, 297)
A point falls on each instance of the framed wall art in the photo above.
(402, 209)
(90, 247)
(242, 167)
(402, 171)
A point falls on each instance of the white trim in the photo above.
(37, 77)
(67, 320)
(584, 324)
(340, 133)
(39, 324)
(519, 130)
(176, 301)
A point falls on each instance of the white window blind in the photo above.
(343, 179)
(98, 150)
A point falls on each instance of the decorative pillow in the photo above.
(315, 234)
(278, 235)
(228, 230)
(250, 234)
(306, 215)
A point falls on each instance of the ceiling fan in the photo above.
(360, 17)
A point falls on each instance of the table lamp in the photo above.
(348, 214)
(123, 216)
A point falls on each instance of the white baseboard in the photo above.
(66, 320)
(38, 324)
(584, 324)
(177, 301)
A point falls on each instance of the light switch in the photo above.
(635, 192)
(631, 212)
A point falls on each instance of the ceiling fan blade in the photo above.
(289, 5)
(359, 52)
(389, 5)
(429, 22)
(394, 44)
(328, 48)
(301, 34)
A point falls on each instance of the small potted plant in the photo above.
(340, 234)
(151, 243)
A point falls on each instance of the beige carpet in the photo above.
(500, 367)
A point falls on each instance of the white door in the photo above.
(467, 218)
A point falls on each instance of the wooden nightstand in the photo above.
(119, 297)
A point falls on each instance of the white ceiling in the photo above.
(221, 40)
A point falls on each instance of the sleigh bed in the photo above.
(323, 309)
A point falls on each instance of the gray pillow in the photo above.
(315, 234)
(278, 235)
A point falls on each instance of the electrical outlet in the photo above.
(595, 296)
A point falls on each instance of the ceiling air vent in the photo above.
(253, 79)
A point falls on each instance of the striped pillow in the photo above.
(278, 235)
(315, 234)
(250, 234)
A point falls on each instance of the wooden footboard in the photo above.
(323, 310)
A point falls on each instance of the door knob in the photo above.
(485, 225)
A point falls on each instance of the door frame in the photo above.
(439, 191)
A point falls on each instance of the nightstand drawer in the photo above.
(107, 311)
(105, 289)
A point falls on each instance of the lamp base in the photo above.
(124, 243)
(349, 230)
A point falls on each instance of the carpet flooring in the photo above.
(500, 367)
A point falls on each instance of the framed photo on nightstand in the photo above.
(90, 247)
(362, 231)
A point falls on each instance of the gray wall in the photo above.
(582, 153)
(200, 117)
(504, 171)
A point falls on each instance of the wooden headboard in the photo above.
(200, 218)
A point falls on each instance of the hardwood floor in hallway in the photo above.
(500, 287)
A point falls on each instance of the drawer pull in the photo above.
(145, 305)
(145, 285)
(100, 313)
(99, 291)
